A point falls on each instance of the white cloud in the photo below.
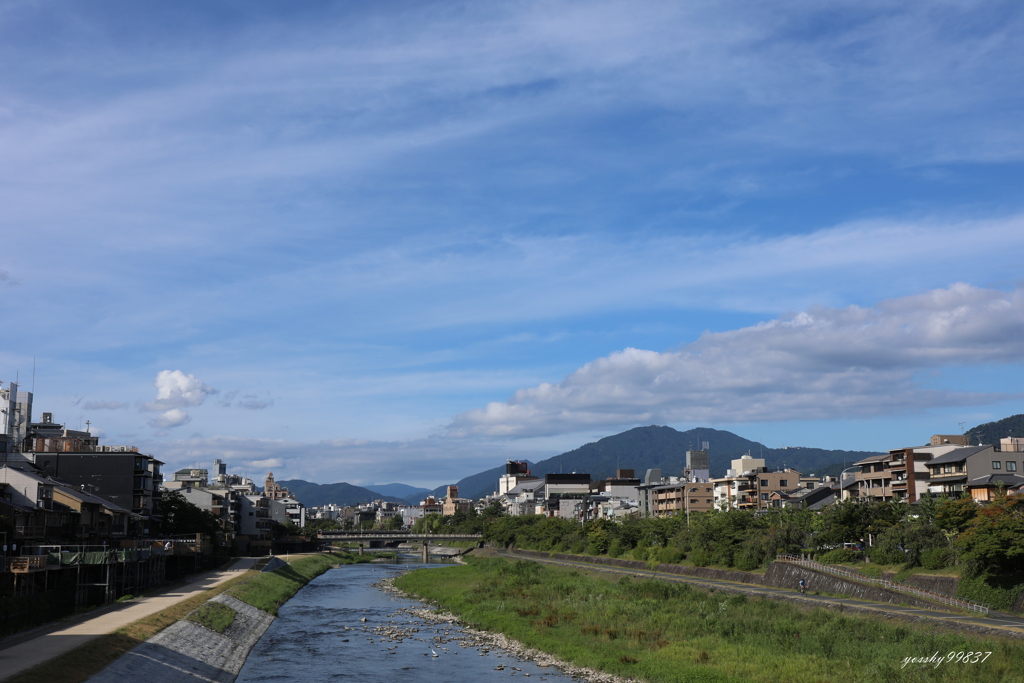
(175, 389)
(175, 417)
(269, 462)
(817, 364)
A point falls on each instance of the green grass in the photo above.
(215, 616)
(269, 590)
(661, 631)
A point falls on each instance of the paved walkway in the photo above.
(21, 654)
(1009, 624)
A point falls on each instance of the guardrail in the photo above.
(885, 583)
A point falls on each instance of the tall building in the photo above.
(15, 417)
(697, 469)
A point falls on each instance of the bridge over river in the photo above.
(381, 538)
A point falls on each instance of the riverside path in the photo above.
(20, 653)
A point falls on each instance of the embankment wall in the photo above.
(186, 651)
(779, 575)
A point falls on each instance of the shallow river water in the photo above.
(320, 635)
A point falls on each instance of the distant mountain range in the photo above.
(314, 495)
(403, 491)
(638, 449)
(665, 448)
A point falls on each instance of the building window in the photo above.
(764, 482)
(947, 469)
(996, 464)
(783, 482)
(764, 496)
(1011, 466)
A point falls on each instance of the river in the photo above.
(320, 635)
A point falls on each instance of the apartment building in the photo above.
(672, 499)
(748, 484)
(950, 472)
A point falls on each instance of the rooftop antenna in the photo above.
(961, 427)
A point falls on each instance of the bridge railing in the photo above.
(941, 598)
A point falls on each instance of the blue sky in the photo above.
(375, 242)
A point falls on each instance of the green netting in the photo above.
(98, 557)
(71, 558)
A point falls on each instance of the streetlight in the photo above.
(686, 501)
(855, 467)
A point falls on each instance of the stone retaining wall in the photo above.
(186, 651)
(928, 582)
(787, 575)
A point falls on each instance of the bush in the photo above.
(840, 556)
(999, 592)
(700, 558)
(669, 555)
(935, 558)
(615, 548)
(887, 553)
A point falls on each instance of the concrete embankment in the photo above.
(186, 651)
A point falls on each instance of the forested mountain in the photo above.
(312, 495)
(403, 491)
(665, 448)
(992, 432)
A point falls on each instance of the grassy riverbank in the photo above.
(660, 631)
(270, 590)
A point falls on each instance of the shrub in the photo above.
(700, 558)
(935, 558)
(670, 555)
(1000, 592)
(839, 556)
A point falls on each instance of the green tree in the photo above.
(993, 541)
(182, 517)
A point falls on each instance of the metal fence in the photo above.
(941, 598)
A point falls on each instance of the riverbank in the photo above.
(487, 640)
(658, 631)
(109, 644)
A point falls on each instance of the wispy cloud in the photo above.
(104, 405)
(817, 364)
